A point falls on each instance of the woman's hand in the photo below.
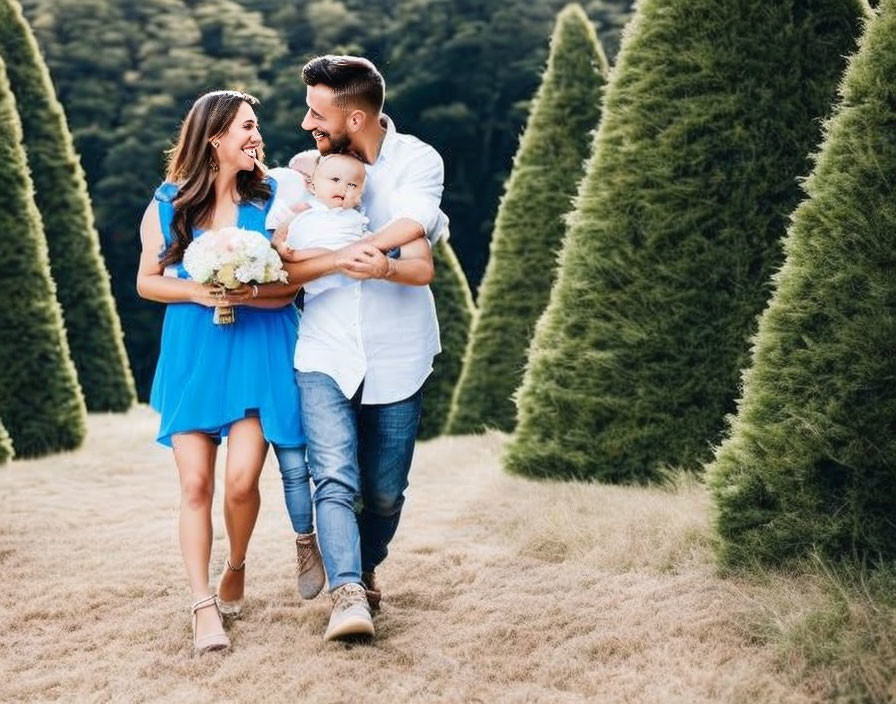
(210, 295)
(242, 294)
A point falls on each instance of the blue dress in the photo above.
(209, 376)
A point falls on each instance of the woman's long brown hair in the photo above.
(191, 167)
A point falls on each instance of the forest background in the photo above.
(459, 75)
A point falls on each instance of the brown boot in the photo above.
(309, 566)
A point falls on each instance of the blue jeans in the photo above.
(296, 489)
(386, 436)
(356, 452)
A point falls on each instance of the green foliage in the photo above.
(665, 266)
(464, 89)
(91, 321)
(529, 227)
(40, 401)
(810, 455)
(609, 19)
(6, 449)
(454, 305)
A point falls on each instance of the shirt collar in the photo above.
(316, 204)
(390, 141)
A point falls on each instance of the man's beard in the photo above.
(339, 144)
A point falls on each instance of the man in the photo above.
(365, 351)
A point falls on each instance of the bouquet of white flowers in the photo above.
(231, 257)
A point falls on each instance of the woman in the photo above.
(214, 380)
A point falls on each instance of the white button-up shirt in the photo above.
(382, 333)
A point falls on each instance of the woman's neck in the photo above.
(225, 188)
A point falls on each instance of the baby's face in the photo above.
(338, 181)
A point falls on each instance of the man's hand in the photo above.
(362, 261)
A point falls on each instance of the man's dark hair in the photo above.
(354, 79)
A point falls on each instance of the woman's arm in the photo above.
(260, 302)
(151, 284)
(302, 272)
(300, 255)
(269, 295)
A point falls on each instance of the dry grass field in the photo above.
(499, 589)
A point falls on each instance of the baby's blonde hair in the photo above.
(327, 157)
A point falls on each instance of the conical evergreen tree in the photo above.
(709, 117)
(91, 321)
(40, 401)
(6, 450)
(454, 306)
(529, 226)
(810, 462)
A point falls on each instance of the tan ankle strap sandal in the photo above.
(231, 609)
(213, 641)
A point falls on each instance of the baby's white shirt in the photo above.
(329, 228)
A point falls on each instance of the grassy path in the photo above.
(498, 590)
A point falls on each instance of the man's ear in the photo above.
(356, 120)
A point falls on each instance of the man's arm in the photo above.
(414, 205)
(396, 234)
(414, 268)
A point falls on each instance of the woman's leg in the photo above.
(194, 454)
(246, 450)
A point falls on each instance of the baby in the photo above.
(332, 219)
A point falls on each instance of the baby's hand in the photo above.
(284, 214)
(278, 241)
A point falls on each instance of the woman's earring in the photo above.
(212, 162)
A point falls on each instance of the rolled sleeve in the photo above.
(419, 195)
